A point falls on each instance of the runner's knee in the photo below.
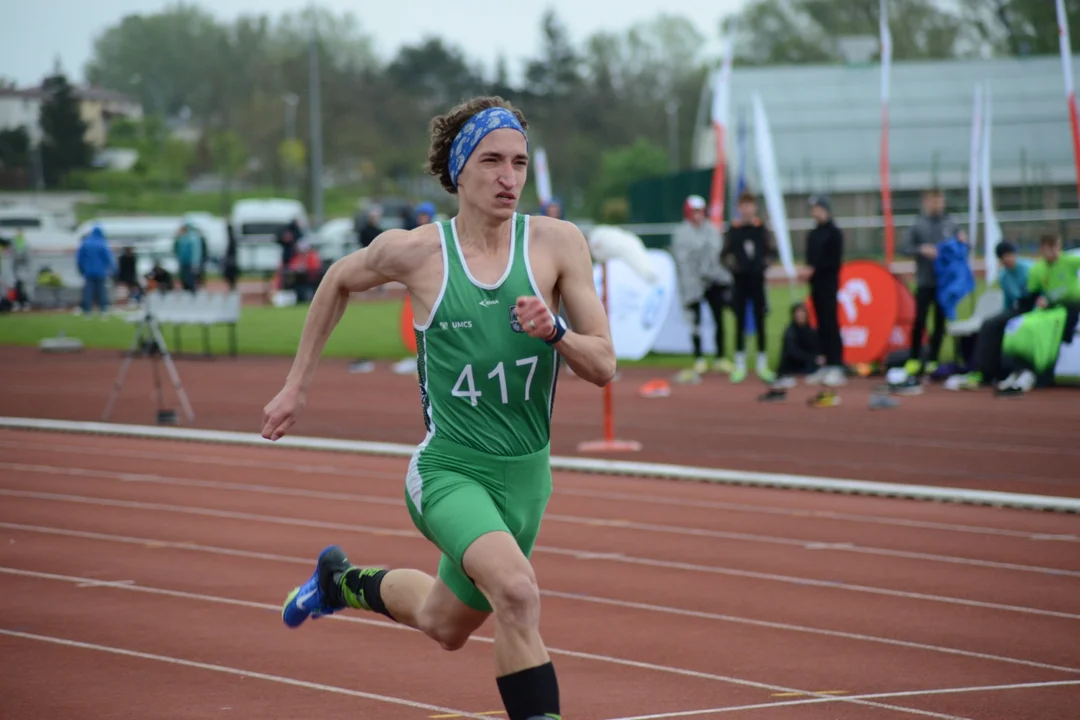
(515, 598)
(451, 633)
(450, 636)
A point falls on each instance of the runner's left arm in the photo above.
(588, 348)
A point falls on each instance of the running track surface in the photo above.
(149, 574)
(968, 440)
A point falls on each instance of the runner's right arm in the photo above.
(360, 270)
(386, 259)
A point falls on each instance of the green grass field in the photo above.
(368, 330)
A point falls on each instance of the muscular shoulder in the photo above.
(557, 239)
(400, 254)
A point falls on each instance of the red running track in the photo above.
(968, 440)
(155, 572)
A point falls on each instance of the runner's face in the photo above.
(495, 173)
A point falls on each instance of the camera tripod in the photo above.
(150, 342)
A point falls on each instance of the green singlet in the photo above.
(487, 390)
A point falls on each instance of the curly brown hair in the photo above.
(445, 128)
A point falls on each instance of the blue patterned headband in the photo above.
(475, 130)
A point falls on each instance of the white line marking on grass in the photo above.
(235, 671)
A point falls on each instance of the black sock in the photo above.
(531, 693)
(361, 589)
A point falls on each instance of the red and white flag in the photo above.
(720, 101)
(886, 191)
(1070, 93)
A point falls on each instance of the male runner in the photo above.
(481, 286)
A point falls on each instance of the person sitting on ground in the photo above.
(800, 353)
(159, 279)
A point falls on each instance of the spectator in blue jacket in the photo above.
(96, 264)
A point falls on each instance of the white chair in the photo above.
(989, 304)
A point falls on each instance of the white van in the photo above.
(50, 242)
(255, 224)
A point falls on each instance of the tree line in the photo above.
(611, 109)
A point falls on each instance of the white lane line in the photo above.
(155, 479)
(147, 542)
(570, 552)
(810, 514)
(561, 489)
(553, 651)
(236, 671)
(818, 700)
(578, 464)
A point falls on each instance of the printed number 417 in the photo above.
(470, 391)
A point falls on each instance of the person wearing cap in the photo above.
(1013, 280)
(425, 213)
(695, 246)
(825, 255)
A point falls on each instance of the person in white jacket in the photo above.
(695, 246)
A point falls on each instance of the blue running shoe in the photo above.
(320, 595)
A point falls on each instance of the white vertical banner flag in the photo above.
(1063, 44)
(543, 179)
(886, 51)
(973, 174)
(721, 99)
(991, 228)
(770, 184)
(1070, 92)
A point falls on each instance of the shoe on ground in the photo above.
(723, 365)
(738, 375)
(834, 377)
(911, 386)
(687, 377)
(969, 381)
(824, 399)
(880, 401)
(765, 374)
(320, 595)
(775, 394)
(700, 366)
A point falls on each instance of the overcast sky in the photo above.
(34, 32)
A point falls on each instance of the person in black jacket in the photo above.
(825, 255)
(748, 250)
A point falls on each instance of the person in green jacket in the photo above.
(1054, 279)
